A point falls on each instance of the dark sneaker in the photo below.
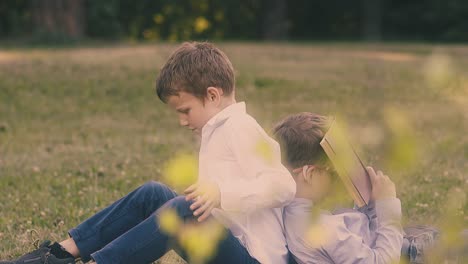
(42, 255)
(419, 239)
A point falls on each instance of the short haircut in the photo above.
(299, 136)
(192, 68)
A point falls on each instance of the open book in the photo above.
(347, 164)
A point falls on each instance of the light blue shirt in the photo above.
(372, 234)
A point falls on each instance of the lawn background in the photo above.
(80, 127)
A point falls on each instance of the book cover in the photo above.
(347, 164)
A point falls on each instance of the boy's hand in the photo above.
(206, 196)
(382, 186)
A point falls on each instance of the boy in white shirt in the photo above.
(246, 190)
(371, 234)
(252, 188)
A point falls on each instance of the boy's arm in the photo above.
(265, 182)
(370, 211)
(349, 247)
(389, 236)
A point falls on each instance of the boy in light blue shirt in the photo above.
(371, 234)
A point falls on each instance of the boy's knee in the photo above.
(179, 202)
(154, 191)
(181, 206)
(153, 186)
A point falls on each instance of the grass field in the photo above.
(80, 127)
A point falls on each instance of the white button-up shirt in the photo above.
(245, 163)
(370, 235)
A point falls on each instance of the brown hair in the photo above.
(299, 136)
(192, 68)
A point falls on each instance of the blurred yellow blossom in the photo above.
(317, 235)
(158, 19)
(201, 240)
(438, 71)
(181, 171)
(264, 150)
(169, 221)
(201, 24)
(402, 149)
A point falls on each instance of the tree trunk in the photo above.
(275, 24)
(58, 16)
(372, 27)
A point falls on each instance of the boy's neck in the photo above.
(227, 101)
(314, 190)
(303, 190)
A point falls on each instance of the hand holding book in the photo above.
(382, 186)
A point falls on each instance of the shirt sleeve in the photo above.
(265, 182)
(370, 212)
(349, 247)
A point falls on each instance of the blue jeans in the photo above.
(128, 231)
(420, 240)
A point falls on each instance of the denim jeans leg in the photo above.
(110, 223)
(231, 251)
(145, 242)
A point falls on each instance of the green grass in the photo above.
(81, 127)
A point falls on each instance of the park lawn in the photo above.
(80, 127)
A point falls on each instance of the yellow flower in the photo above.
(317, 236)
(158, 19)
(403, 151)
(263, 149)
(169, 221)
(181, 171)
(201, 240)
(201, 24)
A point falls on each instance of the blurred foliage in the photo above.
(401, 145)
(176, 20)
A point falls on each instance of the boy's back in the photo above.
(253, 186)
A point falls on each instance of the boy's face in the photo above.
(193, 114)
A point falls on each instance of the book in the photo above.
(347, 164)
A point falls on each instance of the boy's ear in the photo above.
(213, 93)
(308, 174)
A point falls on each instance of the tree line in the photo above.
(175, 20)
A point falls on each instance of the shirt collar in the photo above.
(303, 205)
(300, 204)
(223, 115)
